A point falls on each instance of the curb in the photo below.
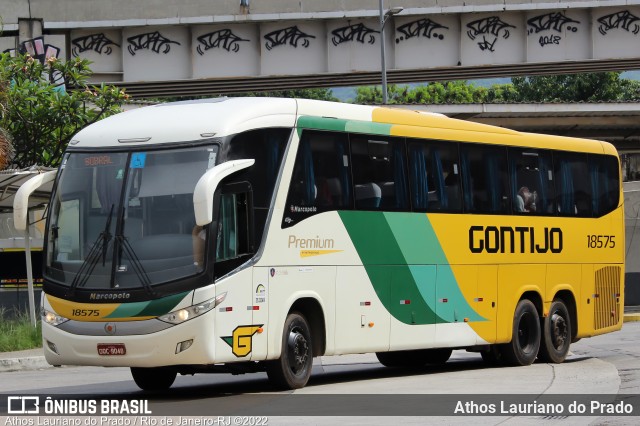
(632, 317)
(23, 364)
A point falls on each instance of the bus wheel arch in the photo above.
(312, 311)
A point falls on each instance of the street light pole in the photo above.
(382, 57)
(384, 16)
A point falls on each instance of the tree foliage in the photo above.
(40, 117)
(320, 94)
(586, 87)
(6, 148)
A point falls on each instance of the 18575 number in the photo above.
(85, 312)
(601, 241)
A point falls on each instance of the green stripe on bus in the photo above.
(340, 125)
(163, 306)
(407, 267)
(147, 309)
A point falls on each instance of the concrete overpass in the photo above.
(199, 47)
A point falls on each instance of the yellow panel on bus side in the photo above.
(562, 277)
(513, 282)
(479, 284)
(584, 303)
(602, 301)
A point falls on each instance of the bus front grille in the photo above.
(607, 297)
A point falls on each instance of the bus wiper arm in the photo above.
(135, 263)
(90, 262)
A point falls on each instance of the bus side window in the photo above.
(605, 183)
(573, 186)
(321, 177)
(531, 178)
(434, 176)
(379, 173)
(233, 227)
(485, 182)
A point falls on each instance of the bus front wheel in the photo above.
(525, 340)
(293, 369)
(556, 334)
(153, 379)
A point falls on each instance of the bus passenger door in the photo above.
(232, 235)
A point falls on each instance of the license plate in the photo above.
(111, 349)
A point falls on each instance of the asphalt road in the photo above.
(357, 389)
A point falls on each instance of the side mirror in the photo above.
(21, 199)
(206, 186)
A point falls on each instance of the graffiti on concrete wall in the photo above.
(290, 35)
(221, 39)
(421, 28)
(490, 29)
(551, 22)
(153, 41)
(355, 32)
(620, 20)
(98, 43)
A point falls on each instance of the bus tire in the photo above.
(556, 334)
(437, 356)
(406, 359)
(293, 369)
(153, 379)
(525, 340)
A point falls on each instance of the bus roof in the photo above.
(206, 118)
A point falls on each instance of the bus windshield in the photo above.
(124, 220)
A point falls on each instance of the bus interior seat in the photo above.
(388, 194)
(368, 195)
(335, 191)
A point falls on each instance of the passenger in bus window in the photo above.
(526, 200)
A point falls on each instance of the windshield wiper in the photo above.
(90, 262)
(135, 263)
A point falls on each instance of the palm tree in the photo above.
(6, 149)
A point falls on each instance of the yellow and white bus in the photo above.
(245, 235)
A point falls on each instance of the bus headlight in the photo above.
(52, 319)
(185, 314)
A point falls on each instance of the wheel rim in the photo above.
(559, 331)
(525, 340)
(298, 349)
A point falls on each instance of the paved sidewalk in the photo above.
(33, 359)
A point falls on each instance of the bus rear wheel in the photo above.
(293, 369)
(153, 379)
(525, 340)
(437, 356)
(556, 334)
